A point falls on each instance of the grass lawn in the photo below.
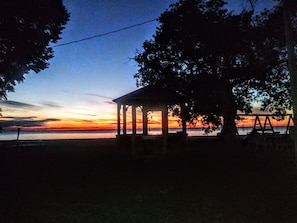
(87, 181)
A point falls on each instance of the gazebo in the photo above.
(149, 98)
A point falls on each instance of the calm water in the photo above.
(44, 135)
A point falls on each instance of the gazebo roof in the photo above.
(151, 94)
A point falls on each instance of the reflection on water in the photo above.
(44, 135)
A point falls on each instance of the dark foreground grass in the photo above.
(82, 181)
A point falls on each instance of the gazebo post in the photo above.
(165, 127)
(124, 119)
(144, 121)
(149, 97)
(119, 118)
(134, 119)
(133, 142)
(165, 120)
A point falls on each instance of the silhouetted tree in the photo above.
(220, 62)
(289, 12)
(26, 30)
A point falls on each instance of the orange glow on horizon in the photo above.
(82, 125)
(108, 121)
(153, 123)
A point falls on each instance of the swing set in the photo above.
(264, 140)
(267, 127)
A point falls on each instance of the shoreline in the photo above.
(55, 140)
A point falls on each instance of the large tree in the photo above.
(27, 28)
(220, 62)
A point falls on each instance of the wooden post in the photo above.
(18, 136)
(133, 119)
(133, 139)
(124, 119)
(119, 118)
(165, 127)
(165, 120)
(144, 121)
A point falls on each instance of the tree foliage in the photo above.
(219, 61)
(26, 30)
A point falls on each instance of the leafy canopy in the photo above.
(219, 61)
(27, 29)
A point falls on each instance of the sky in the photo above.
(76, 91)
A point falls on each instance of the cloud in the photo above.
(98, 95)
(89, 94)
(81, 114)
(109, 102)
(19, 118)
(17, 104)
(25, 122)
(51, 105)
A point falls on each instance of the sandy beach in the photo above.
(92, 181)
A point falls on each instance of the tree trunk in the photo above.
(229, 130)
(292, 68)
(229, 111)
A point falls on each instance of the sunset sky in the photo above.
(76, 91)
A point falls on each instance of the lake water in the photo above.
(49, 135)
